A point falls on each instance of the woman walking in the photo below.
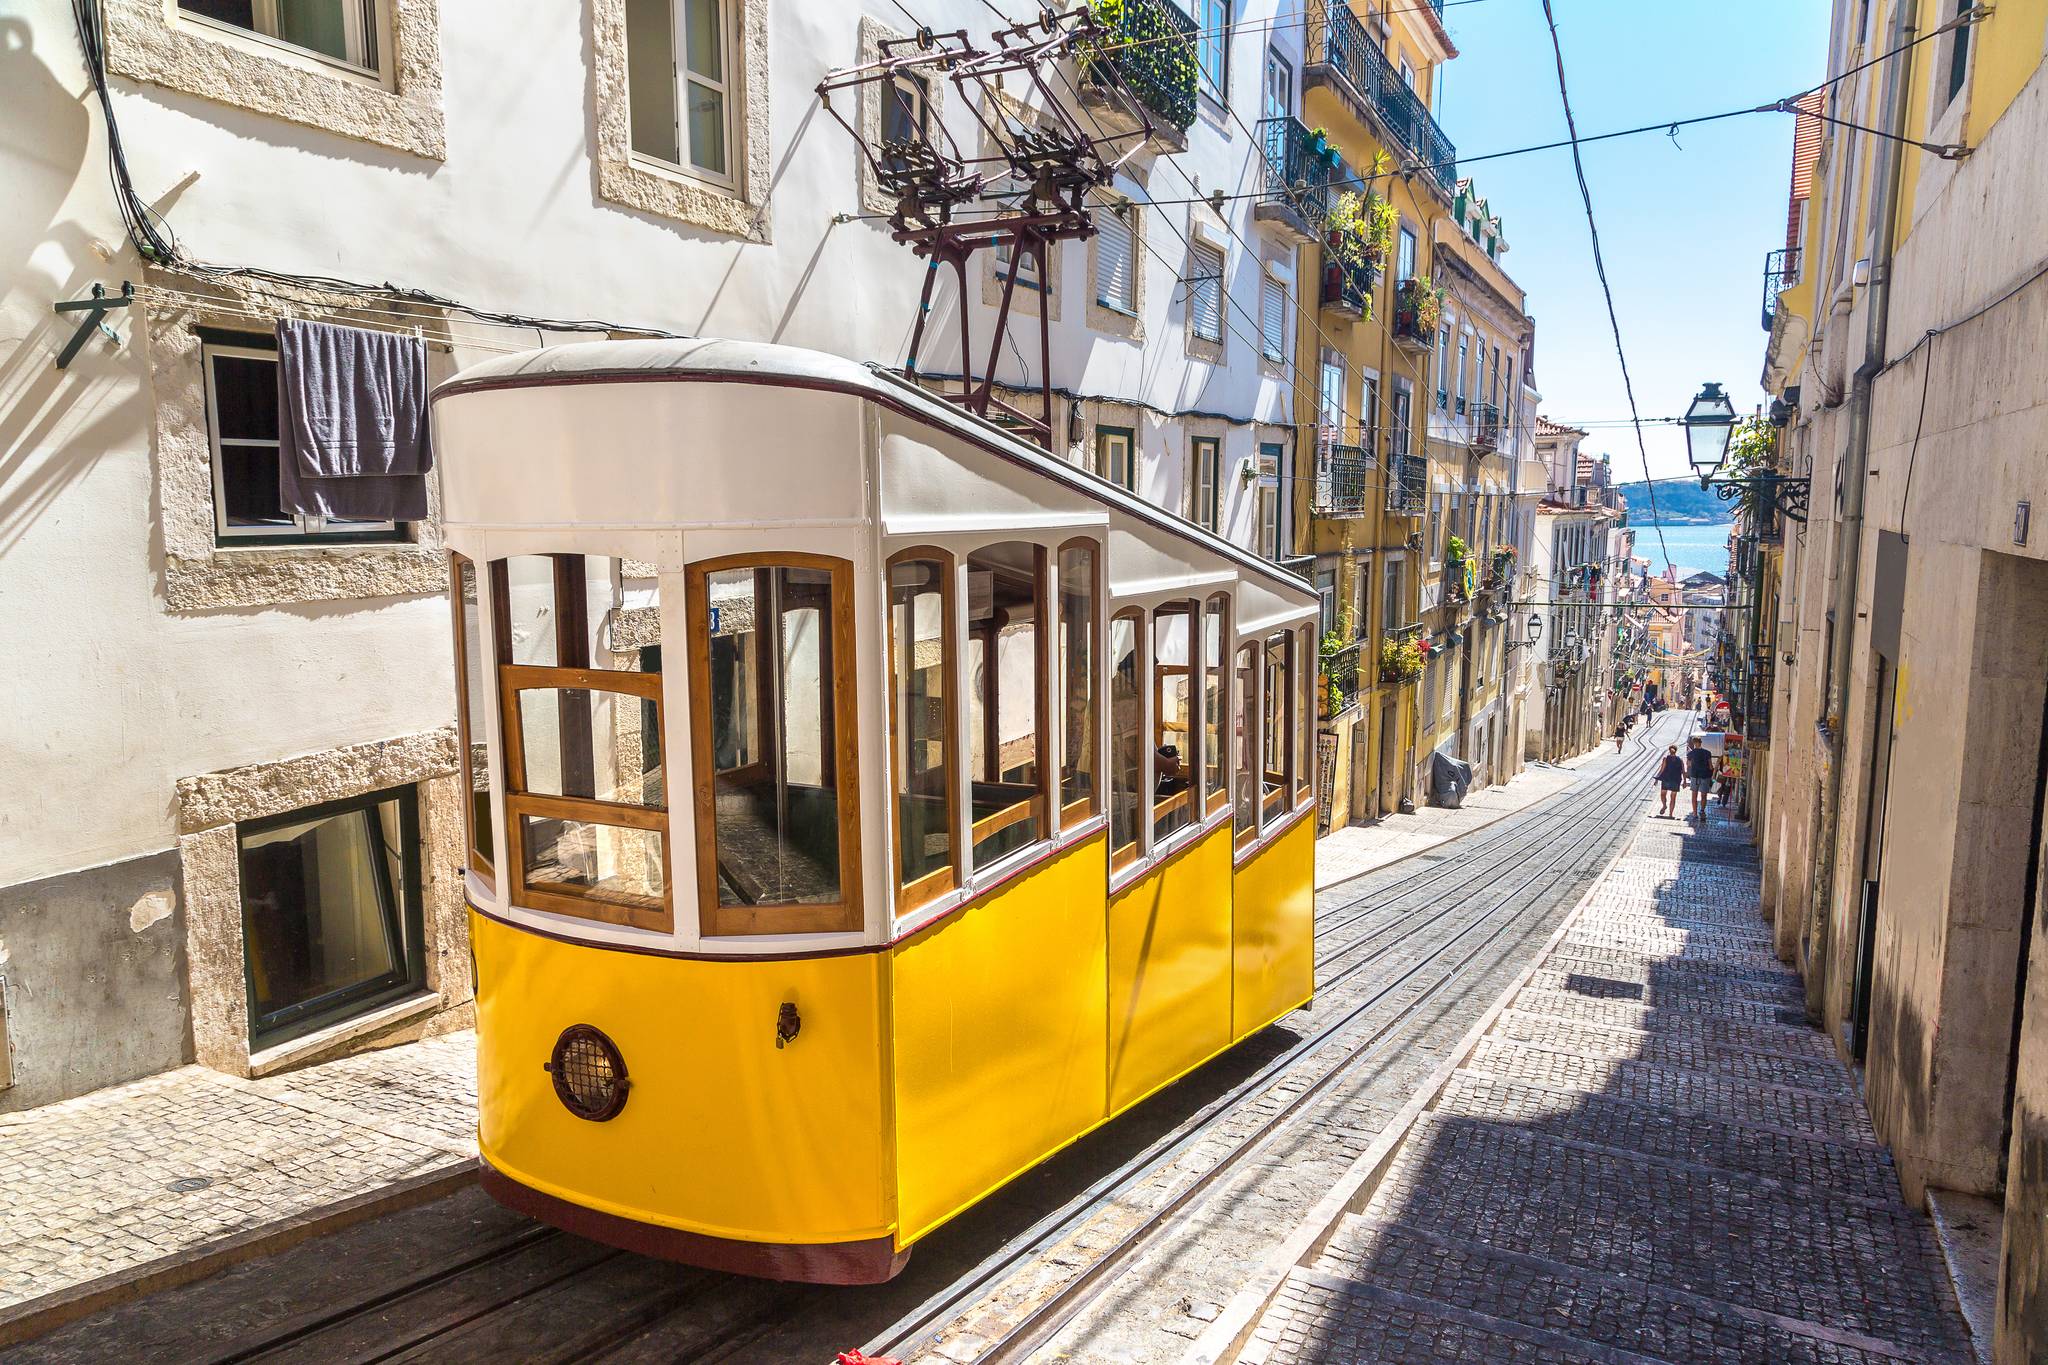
(1670, 776)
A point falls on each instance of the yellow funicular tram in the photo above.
(866, 804)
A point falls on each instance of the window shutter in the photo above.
(1115, 281)
(1205, 292)
(1273, 318)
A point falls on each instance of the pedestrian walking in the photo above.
(1699, 775)
(1669, 777)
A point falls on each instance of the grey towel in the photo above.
(352, 422)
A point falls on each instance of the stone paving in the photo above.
(115, 1181)
(1650, 1157)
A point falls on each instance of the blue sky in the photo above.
(1684, 227)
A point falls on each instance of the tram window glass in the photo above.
(921, 721)
(1244, 743)
(1173, 730)
(579, 653)
(772, 713)
(1078, 646)
(471, 685)
(1304, 713)
(1005, 665)
(1124, 733)
(1274, 728)
(1215, 790)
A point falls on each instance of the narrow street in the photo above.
(1123, 1248)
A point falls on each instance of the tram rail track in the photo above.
(452, 1309)
(1607, 794)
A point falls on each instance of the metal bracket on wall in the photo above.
(95, 309)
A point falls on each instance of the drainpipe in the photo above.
(1848, 560)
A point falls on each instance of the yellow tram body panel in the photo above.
(999, 1038)
(1170, 969)
(724, 1134)
(1273, 959)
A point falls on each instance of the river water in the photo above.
(1691, 547)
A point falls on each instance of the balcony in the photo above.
(1781, 272)
(1339, 47)
(1294, 178)
(1341, 478)
(1347, 289)
(1407, 484)
(1340, 680)
(1417, 306)
(1150, 57)
(1485, 427)
(1301, 566)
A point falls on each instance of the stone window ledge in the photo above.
(625, 178)
(285, 1056)
(147, 40)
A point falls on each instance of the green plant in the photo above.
(1400, 660)
(1752, 446)
(1454, 548)
(1423, 302)
(1151, 52)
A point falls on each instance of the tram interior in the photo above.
(774, 753)
(1003, 643)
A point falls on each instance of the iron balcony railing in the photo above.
(1153, 51)
(1485, 427)
(1407, 484)
(1347, 288)
(1340, 680)
(1341, 478)
(1338, 40)
(1295, 177)
(1301, 566)
(1781, 272)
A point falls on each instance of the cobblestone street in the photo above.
(118, 1183)
(1650, 1156)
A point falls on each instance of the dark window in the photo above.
(1958, 55)
(330, 912)
(242, 427)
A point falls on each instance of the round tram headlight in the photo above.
(589, 1074)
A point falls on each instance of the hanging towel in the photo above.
(352, 422)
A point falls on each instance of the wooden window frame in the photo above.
(1128, 854)
(1040, 806)
(1284, 719)
(1076, 812)
(1244, 836)
(1130, 439)
(516, 678)
(569, 580)
(1219, 799)
(1205, 482)
(911, 896)
(1300, 723)
(733, 921)
(476, 857)
(1190, 614)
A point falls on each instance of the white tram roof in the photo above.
(561, 442)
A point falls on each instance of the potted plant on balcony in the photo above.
(1456, 558)
(1319, 140)
(1400, 660)
(1417, 309)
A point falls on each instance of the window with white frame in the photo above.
(1394, 613)
(1116, 273)
(1404, 259)
(347, 32)
(682, 104)
(1205, 456)
(1443, 366)
(242, 431)
(1369, 412)
(1326, 594)
(1464, 359)
(1273, 318)
(1212, 45)
(1205, 291)
(1403, 409)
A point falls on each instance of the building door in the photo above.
(1390, 757)
(1873, 855)
(1362, 790)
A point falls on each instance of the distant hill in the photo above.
(1679, 503)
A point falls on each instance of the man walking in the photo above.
(1699, 775)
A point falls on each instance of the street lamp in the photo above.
(1709, 425)
(1531, 633)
